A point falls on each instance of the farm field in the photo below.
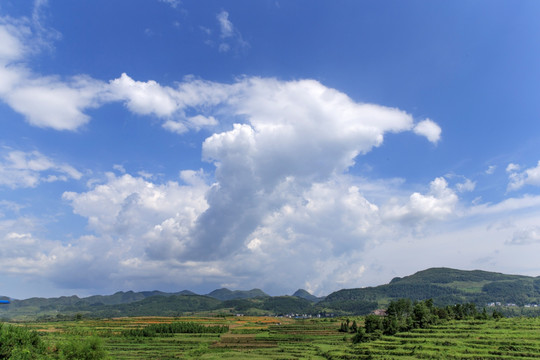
(282, 338)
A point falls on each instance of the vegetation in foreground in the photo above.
(19, 343)
(470, 337)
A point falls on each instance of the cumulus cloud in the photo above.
(251, 167)
(20, 169)
(132, 208)
(172, 104)
(438, 203)
(280, 183)
(144, 98)
(518, 179)
(251, 170)
(50, 101)
(429, 129)
(332, 216)
(281, 187)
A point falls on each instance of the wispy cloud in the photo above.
(231, 38)
(20, 169)
(529, 235)
(172, 3)
(491, 169)
(226, 27)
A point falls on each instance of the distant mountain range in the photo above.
(445, 286)
(226, 294)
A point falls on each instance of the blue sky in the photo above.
(170, 145)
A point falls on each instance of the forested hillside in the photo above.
(514, 294)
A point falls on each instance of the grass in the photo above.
(281, 338)
(473, 287)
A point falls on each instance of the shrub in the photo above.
(17, 343)
(82, 349)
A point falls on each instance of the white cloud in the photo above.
(429, 129)
(281, 188)
(49, 102)
(526, 236)
(250, 167)
(439, 203)
(491, 169)
(175, 126)
(506, 206)
(268, 202)
(137, 210)
(11, 48)
(466, 186)
(44, 101)
(21, 252)
(226, 26)
(512, 167)
(21, 169)
(144, 98)
(119, 168)
(529, 176)
(229, 34)
(172, 3)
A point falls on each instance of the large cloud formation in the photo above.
(284, 136)
(280, 190)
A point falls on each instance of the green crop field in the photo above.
(282, 338)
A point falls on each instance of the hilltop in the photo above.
(444, 285)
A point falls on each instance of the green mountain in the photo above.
(304, 294)
(445, 286)
(226, 294)
(171, 305)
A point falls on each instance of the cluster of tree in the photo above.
(347, 326)
(181, 327)
(18, 343)
(404, 315)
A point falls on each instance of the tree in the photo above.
(360, 336)
(354, 327)
(422, 316)
(391, 325)
(373, 323)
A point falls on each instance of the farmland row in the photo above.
(280, 339)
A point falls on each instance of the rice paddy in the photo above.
(283, 338)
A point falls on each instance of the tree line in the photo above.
(404, 315)
(180, 327)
